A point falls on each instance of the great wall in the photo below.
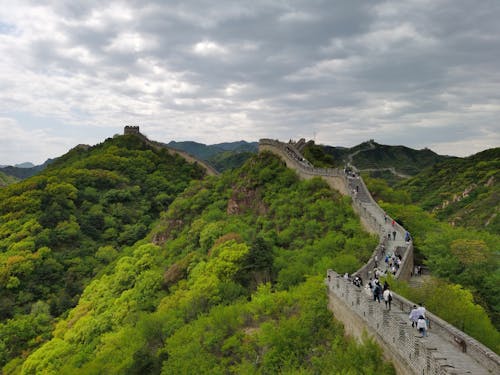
(134, 130)
(446, 350)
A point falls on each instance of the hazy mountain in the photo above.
(25, 170)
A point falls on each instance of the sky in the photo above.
(419, 73)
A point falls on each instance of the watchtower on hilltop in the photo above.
(131, 130)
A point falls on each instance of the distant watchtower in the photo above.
(131, 130)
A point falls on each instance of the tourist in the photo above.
(421, 309)
(422, 326)
(394, 235)
(376, 291)
(386, 285)
(387, 297)
(407, 236)
(414, 316)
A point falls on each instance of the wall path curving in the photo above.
(446, 350)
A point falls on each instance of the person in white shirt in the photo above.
(387, 298)
(422, 326)
(414, 314)
(421, 310)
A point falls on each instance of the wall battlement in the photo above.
(131, 130)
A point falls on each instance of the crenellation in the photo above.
(128, 130)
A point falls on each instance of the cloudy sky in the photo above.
(422, 73)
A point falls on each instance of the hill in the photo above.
(391, 163)
(229, 279)
(221, 156)
(59, 229)
(462, 191)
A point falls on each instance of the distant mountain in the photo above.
(389, 162)
(25, 165)
(22, 171)
(221, 156)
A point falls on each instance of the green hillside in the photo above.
(60, 229)
(392, 163)
(228, 281)
(6, 180)
(461, 191)
(22, 171)
(221, 156)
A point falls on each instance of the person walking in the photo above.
(414, 314)
(421, 309)
(377, 290)
(394, 235)
(422, 326)
(387, 298)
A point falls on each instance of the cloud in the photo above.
(419, 73)
(208, 48)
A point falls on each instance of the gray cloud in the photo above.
(419, 73)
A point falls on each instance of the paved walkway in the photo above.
(450, 356)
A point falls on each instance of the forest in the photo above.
(121, 258)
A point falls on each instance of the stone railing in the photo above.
(410, 353)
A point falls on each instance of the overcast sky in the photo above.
(420, 73)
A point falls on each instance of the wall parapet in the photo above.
(391, 328)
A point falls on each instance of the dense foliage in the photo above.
(6, 179)
(60, 228)
(462, 191)
(403, 159)
(316, 156)
(229, 160)
(24, 172)
(230, 280)
(221, 156)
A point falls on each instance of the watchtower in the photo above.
(131, 130)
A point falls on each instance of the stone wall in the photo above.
(333, 176)
(410, 353)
